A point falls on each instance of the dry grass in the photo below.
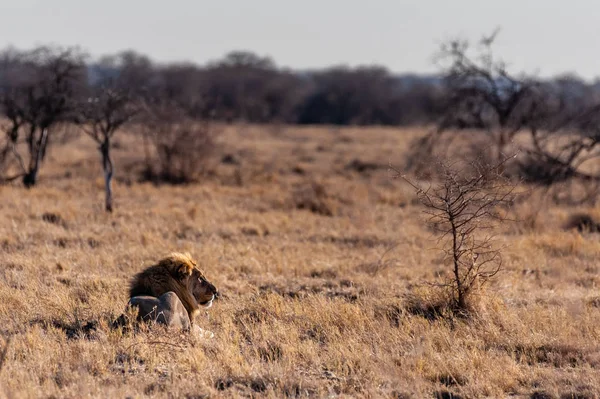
(321, 261)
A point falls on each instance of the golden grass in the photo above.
(311, 306)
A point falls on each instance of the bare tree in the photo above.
(38, 92)
(464, 207)
(482, 95)
(11, 107)
(561, 118)
(105, 111)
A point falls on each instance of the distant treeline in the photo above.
(172, 106)
(246, 87)
(243, 86)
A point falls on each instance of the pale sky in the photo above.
(542, 37)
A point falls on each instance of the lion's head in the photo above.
(188, 273)
(202, 289)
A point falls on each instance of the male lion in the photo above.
(171, 288)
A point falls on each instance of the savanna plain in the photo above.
(324, 263)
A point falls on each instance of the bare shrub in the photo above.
(179, 149)
(382, 264)
(536, 169)
(424, 152)
(560, 156)
(583, 223)
(314, 197)
(465, 208)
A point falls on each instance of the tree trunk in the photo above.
(460, 289)
(30, 178)
(501, 144)
(107, 165)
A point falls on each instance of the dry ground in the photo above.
(318, 286)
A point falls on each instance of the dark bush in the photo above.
(179, 149)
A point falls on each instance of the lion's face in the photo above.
(184, 268)
(204, 292)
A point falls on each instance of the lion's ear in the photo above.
(184, 271)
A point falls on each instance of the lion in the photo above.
(187, 288)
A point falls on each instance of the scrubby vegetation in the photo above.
(314, 303)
